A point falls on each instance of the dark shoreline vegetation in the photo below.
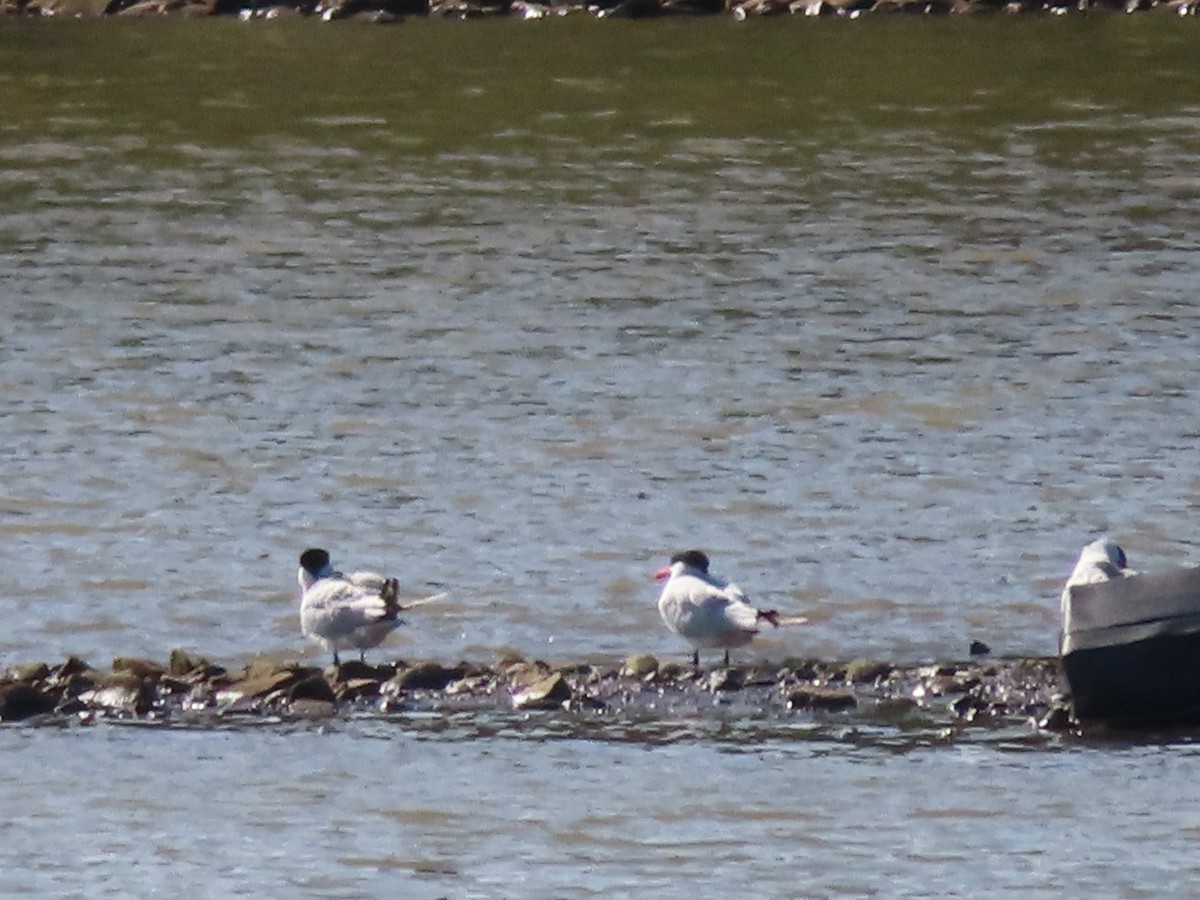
(623, 700)
(382, 11)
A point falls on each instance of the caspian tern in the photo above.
(1100, 561)
(709, 611)
(347, 612)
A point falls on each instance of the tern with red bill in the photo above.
(708, 611)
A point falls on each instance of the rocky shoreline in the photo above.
(382, 11)
(598, 700)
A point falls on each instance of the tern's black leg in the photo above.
(336, 662)
(696, 658)
(727, 659)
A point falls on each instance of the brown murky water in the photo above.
(890, 317)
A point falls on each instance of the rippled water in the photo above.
(890, 317)
(381, 809)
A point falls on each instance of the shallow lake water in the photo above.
(386, 809)
(890, 317)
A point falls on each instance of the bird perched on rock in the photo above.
(348, 612)
(709, 611)
(1101, 560)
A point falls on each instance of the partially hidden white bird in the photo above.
(708, 611)
(348, 612)
(1101, 560)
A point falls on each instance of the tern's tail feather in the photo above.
(770, 615)
(412, 604)
(791, 620)
(389, 593)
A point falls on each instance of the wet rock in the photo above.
(260, 685)
(184, 664)
(550, 692)
(673, 673)
(139, 668)
(267, 13)
(22, 701)
(641, 666)
(760, 8)
(119, 678)
(524, 674)
(308, 708)
(803, 669)
(429, 676)
(865, 671)
(190, 688)
(821, 698)
(69, 8)
(135, 699)
(893, 708)
(382, 10)
(521, 9)
(725, 680)
(314, 687)
(72, 666)
(481, 685)
(358, 689)
(950, 684)
(355, 669)
(27, 672)
(181, 8)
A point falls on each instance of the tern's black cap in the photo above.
(314, 560)
(695, 559)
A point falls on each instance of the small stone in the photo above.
(74, 684)
(802, 669)
(428, 676)
(550, 692)
(640, 666)
(523, 674)
(471, 685)
(21, 701)
(979, 648)
(120, 678)
(139, 668)
(725, 680)
(183, 663)
(357, 688)
(27, 672)
(315, 687)
(263, 667)
(309, 708)
(261, 685)
(672, 672)
(73, 666)
(863, 671)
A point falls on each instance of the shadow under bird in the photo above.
(708, 611)
(349, 612)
